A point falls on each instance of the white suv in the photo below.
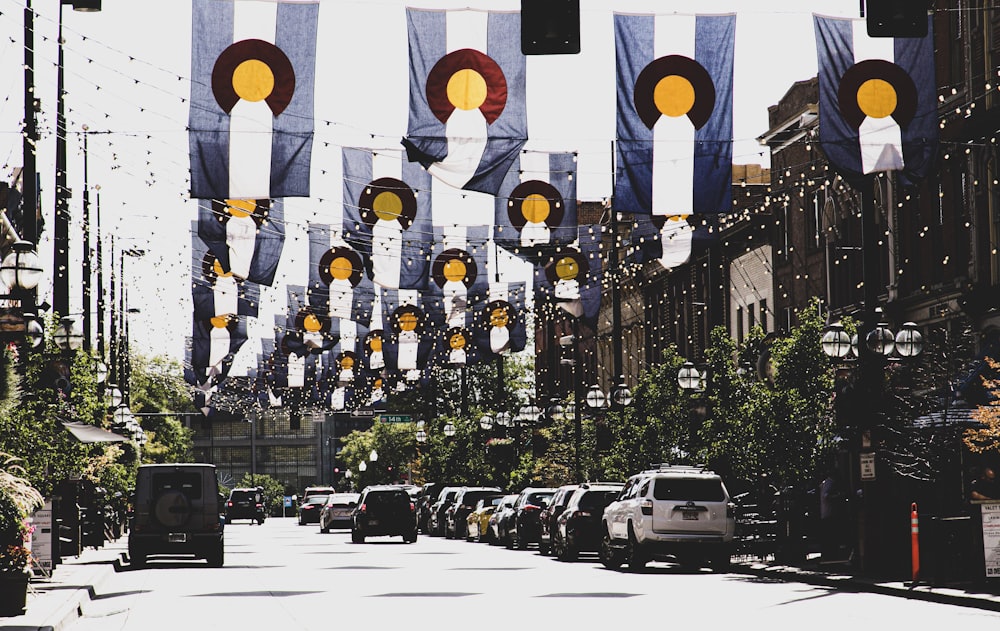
(683, 512)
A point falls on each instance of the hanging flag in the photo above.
(412, 330)
(215, 291)
(536, 205)
(338, 284)
(252, 82)
(500, 322)
(467, 95)
(572, 277)
(877, 104)
(665, 239)
(387, 216)
(214, 343)
(343, 370)
(308, 331)
(457, 348)
(247, 236)
(459, 275)
(675, 113)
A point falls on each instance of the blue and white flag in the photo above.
(572, 277)
(457, 348)
(214, 343)
(412, 332)
(664, 239)
(459, 274)
(247, 236)
(387, 216)
(253, 67)
(467, 95)
(308, 331)
(877, 104)
(215, 291)
(338, 284)
(536, 205)
(675, 113)
(500, 325)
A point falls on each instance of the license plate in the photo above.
(690, 514)
(373, 522)
(177, 537)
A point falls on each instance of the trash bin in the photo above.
(791, 527)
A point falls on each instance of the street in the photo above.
(285, 576)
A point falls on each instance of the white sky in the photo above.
(127, 71)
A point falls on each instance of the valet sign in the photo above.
(991, 538)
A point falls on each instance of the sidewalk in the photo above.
(979, 596)
(55, 603)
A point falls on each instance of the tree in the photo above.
(157, 385)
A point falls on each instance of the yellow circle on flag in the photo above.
(253, 80)
(498, 317)
(535, 208)
(217, 268)
(346, 362)
(567, 268)
(311, 323)
(457, 341)
(454, 270)
(877, 98)
(467, 89)
(341, 268)
(376, 344)
(387, 206)
(241, 207)
(220, 322)
(674, 95)
(408, 321)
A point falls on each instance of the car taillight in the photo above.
(361, 508)
(229, 504)
(581, 513)
(530, 507)
(730, 510)
(259, 505)
(412, 507)
(646, 507)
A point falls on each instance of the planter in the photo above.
(13, 593)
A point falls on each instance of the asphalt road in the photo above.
(284, 576)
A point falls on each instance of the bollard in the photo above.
(914, 541)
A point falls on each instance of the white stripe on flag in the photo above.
(226, 294)
(387, 236)
(218, 347)
(673, 137)
(296, 371)
(881, 139)
(251, 124)
(466, 130)
(241, 238)
(675, 239)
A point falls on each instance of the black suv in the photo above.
(384, 511)
(578, 528)
(246, 504)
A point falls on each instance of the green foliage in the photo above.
(157, 385)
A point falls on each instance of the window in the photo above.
(751, 321)
(187, 483)
(739, 324)
(689, 489)
(763, 314)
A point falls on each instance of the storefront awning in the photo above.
(91, 434)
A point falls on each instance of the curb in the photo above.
(841, 582)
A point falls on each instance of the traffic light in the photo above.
(896, 18)
(550, 27)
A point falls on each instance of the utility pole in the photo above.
(60, 230)
(29, 173)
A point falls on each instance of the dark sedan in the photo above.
(578, 528)
(527, 527)
(310, 509)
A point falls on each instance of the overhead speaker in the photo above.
(550, 27)
(896, 18)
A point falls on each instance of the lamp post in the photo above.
(20, 272)
(68, 335)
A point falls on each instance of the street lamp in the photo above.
(486, 422)
(373, 456)
(114, 395)
(449, 429)
(836, 342)
(689, 378)
(595, 398)
(363, 466)
(621, 396)
(421, 436)
(68, 336)
(21, 268)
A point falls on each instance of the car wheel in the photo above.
(411, 537)
(324, 529)
(522, 544)
(357, 537)
(448, 533)
(635, 556)
(508, 540)
(545, 549)
(260, 521)
(564, 549)
(611, 557)
(216, 558)
(721, 561)
(137, 558)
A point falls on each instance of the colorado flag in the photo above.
(251, 115)
(675, 113)
(467, 95)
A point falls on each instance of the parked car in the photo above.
(309, 510)
(682, 513)
(336, 512)
(524, 527)
(384, 510)
(316, 490)
(550, 513)
(435, 519)
(496, 527)
(246, 503)
(578, 527)
(477, 523)
(465, 503)
(425, 498)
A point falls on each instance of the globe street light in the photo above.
(486, 422)
(363, 466)
(621, 396)
(68, 335)
(688, 376)
(595, 398)
(449, 429)
(373, 456)
(421, 436)
(21, 268)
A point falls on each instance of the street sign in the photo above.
(868, 466)
(396, 418)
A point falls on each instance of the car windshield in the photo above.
(316, 499)
(471, 497)
(387, 497)
(187, 483)
(494, 501)
(539, 497)
(597, 500)
(689, 489)
(243, 496)
(341, 500)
